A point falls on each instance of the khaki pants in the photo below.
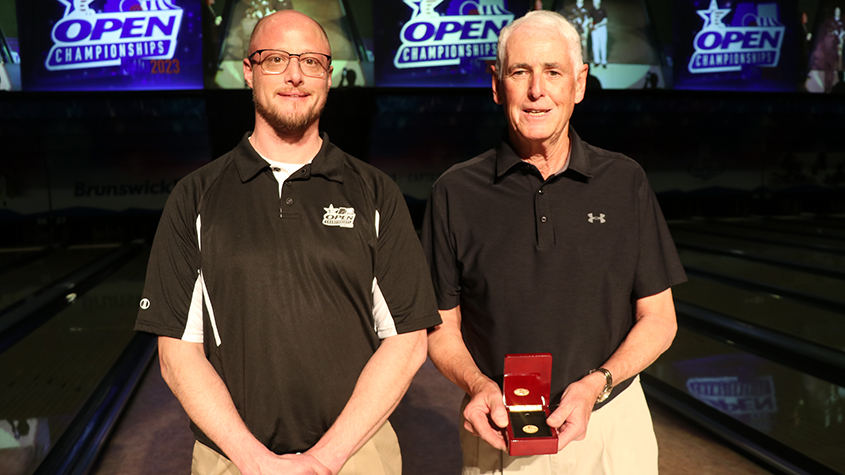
(620, 440)
(379, 456)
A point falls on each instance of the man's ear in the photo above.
(329, 72)
(248, 72)
(581, 82)
(494, 78)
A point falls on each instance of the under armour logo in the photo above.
(593, 219)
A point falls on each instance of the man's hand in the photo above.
(485, 415)
(288, 464)
(573, 414)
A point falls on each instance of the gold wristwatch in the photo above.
(608, 385)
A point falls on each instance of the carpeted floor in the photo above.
(153, 435)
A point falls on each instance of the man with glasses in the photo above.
(287, 285)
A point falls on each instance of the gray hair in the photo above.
(542, 19)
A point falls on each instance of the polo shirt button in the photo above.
(287, 183)
(277, 169)
(543, 219)
(289, 201)
(541, 191)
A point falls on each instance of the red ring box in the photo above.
(525, 390)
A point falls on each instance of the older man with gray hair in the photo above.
(547, 244)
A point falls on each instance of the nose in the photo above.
(293, 74)
(536, 89)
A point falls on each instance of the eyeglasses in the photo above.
(276, 61)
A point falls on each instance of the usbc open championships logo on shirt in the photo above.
(134, 29)
(429, 39)
(752, 39)
(340, 216)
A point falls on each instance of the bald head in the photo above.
(289, 22)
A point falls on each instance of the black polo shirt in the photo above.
(550, 266)
(293, 293)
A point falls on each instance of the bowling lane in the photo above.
(788, 316)
(11, 257)
(47, 376)
(792, 226)
(825, 261)
(19, 283)
(810, 284)
(828, 221)
(724, 228)
(802, 412)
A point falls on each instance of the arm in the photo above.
(208, 403)
(381, 385)
(449, 353)
(651, 335)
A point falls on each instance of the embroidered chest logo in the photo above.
(593, 219)
(340, 216)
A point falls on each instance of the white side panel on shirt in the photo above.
(193, 327)
(383, 319)
(385, 326)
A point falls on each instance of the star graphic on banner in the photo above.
(68, 6)
(713, 15)
(423, 7)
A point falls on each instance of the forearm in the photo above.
(651, 335)
(378, 391)
(207, 401)
(449, 353)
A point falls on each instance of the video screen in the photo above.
(439, 43)
(737, 46)
(234, 20)
(823, 36)
(720, 45)
(10, 58)
(81, 45)
(618, 42)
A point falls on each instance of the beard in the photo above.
(293, 122)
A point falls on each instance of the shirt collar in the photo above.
(327, 163)
(579, 162)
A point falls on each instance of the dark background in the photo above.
(784, 151)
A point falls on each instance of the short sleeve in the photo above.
(401, 273)
(173, 268)
(439, 249)
(659, 266)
